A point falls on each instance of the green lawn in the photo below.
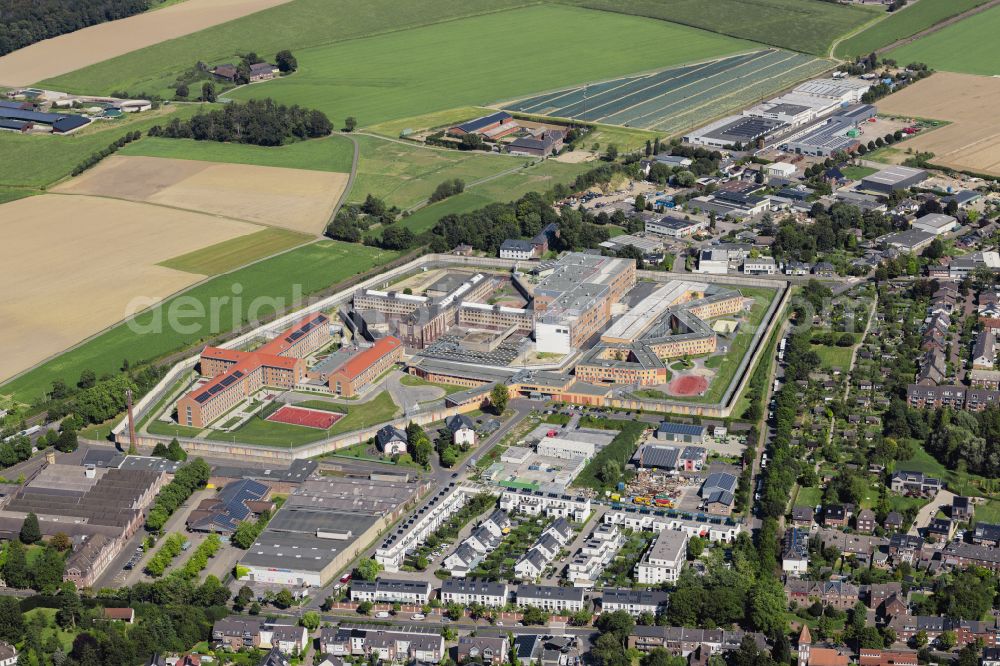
(833, 357)
(857, 172)
(506, 56)
(809, 497)
(413, 380)
(40, 160)
(808, 26)
(448, 117)
(231, 254)
(988, 512)
(269, 433)
(901, 24)
(739, 346)
(428, 216)
(405, 174)
(333, 153)
(969, 46)
(300, 272)
(51, 628)
(295, 25)
(10, 194)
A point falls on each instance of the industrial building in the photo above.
(840, 132)
(674, 227)
(736, 130)
(892, 179)
(935, 223)
(98, 508)
(322, 526)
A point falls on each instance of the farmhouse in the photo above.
(494, 126)
(262, 71)
(544, 144)
(21, 120)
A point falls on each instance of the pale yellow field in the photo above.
(970, 103)
(67, 53)
(70, 266)
(295, 199)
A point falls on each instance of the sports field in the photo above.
(478, 60)
(65, 53)
(807, 26)
(296, 199)
(968, 46)
(972, 139)
(308, 418)
(333, 153)
(72, 265)
(231, 254)
(674, 99)
(269, 283)
(903, 23)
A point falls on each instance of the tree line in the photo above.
(28, 21)
(257, 122)
(111, 149)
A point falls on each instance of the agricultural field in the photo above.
(231, 254)
(968, 46)
(293, 25)
(99, 255)
(971, 141)
(333, 153)
(273, 283)
(543, 47)
(97, 43)
(37, 161)
(405, 173)
(901, 24)
(427, 217)
(12, 194)
(295, 199)
(806, 26)
(662, 100)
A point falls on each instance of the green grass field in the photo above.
(739, 346)
(330, 154)
(969, 46)
(12, 194)
(37, 161)
(428, 216)
(988, 512)
(503, 56)
(902, 24)
(833, 357)
(808, 26)
(857, 172)
(231, 254)
(296, 25)
(269, 433)
(300, 272)
(809, 497)
(406, 173)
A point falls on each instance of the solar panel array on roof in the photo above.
(681, 428)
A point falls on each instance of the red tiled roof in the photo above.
(355, 366)
(827, 657)
(284, 340)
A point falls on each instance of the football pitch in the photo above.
(670, 99)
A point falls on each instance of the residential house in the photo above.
(986, 534)
(795, 552)
(236, 633)
(391, 440)
(462, 428)
(915, 484)
(802, 516)
(865, 521)
(839, 594)
(386, 590)
(552, 598)
(483, 649)
(474, 591)
(633, 602)
(683, 641)
(962, 509)
(836, 515)
(663, 561)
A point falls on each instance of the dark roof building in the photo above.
(60, 122)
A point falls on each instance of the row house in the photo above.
(966, 554)
(839, 594)
(551, 598)
(474, 591)
(966, 631)
(683, 641)
(595, 554)
(535, 503)
(633, 602)
(386, 590)
(387, 645)
(545, 549)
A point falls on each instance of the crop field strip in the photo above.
(903, 23)
(968, 46)
(657, 100)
